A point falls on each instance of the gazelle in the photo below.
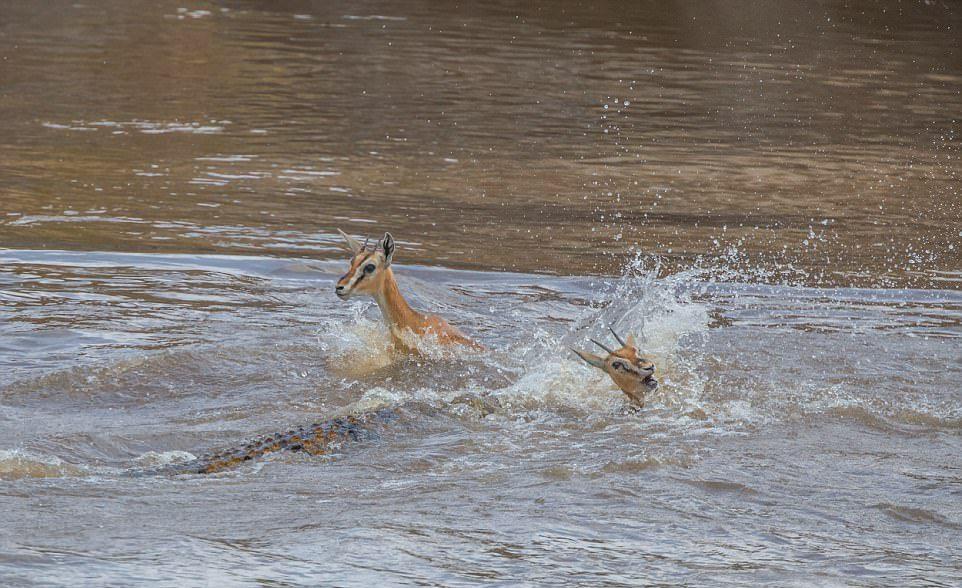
(370, 273)
(631, 372)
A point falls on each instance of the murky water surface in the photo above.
(768, 197)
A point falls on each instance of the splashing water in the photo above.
(748, 376)
(16, 464)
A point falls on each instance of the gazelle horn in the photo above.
(601, 345)
(351, 242)
(616, 336)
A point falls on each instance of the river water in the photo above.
(767, 196)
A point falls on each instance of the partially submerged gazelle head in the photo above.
(369, 267)
(631, 372)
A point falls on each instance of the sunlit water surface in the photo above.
(767, 198)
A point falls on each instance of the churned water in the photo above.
(766, 196)
(798, 435)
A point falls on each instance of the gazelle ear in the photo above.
(591, 358)
(630, 341)
(387, 247)
(352, 243)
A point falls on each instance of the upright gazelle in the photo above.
(370, 273)
(633, 373)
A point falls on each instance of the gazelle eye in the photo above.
(369, 268)
(618, 365)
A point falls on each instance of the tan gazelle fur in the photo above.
(630, 371)
(370, 273)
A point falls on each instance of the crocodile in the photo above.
(319, 438)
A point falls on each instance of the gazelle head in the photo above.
(631, 372)
(369, 267)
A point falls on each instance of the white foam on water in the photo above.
(16, 464)
(364, 346)
(358, 348)
(380, 397)
(154, 459)
(658, 313)
(561, 383)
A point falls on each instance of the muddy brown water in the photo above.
(767, 196)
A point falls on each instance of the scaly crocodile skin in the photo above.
(317, 439)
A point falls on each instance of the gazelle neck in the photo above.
(394, 308)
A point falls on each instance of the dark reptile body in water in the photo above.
(316, 439)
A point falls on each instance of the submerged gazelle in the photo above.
(370, 273)
(631, 372)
